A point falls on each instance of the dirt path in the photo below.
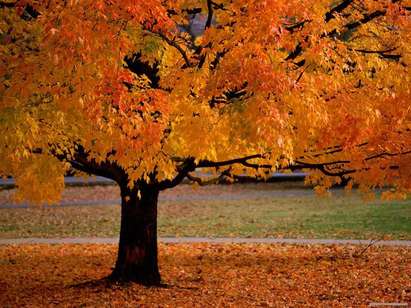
(225, 240)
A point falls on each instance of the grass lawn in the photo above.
(201, 275)
(288, 216)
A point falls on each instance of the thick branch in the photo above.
(382, 53)
(299, 164)
(80, 160)
(330, 150)
(295, 53)
(139, 67)
(337, 9)
(210, 14)
(367, 18)
(202, 182)
(349, 26)
(4, 4)
(256, 166)
(375, 51)
(323, 167)
(387, 154)
(87, 168)
(295, 26)
(186, 167)
(242, 160)
(217, 59)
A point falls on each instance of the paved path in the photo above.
(99, 180)
(245, 194)
(64, 204)
(179, 240)
(83, 197)
(89, 196)
(68, 181)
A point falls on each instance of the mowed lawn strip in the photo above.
(204, 275)
(343, 216)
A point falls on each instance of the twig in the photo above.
(372, 243)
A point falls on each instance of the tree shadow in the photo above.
(104, 282)
(181, 287)
(108, 283)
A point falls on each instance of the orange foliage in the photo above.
(275, 85)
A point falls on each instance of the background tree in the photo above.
(137, 92)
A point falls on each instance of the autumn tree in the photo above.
(146, 92)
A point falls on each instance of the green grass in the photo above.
(305, 217)
(290, 217)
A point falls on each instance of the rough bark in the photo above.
(137, 252)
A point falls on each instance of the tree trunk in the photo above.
(137, 252)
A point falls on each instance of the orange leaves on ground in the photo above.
(202, 275)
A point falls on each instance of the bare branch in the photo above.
(256, 166)
(375, 51)
(242, 160)
(335, 33)
(301, 74)
(323, 168)
(174, 44)
(295, 26)
(334, 168)
(202, 182)
(384, 154)
(382, 53)
(330, 150)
